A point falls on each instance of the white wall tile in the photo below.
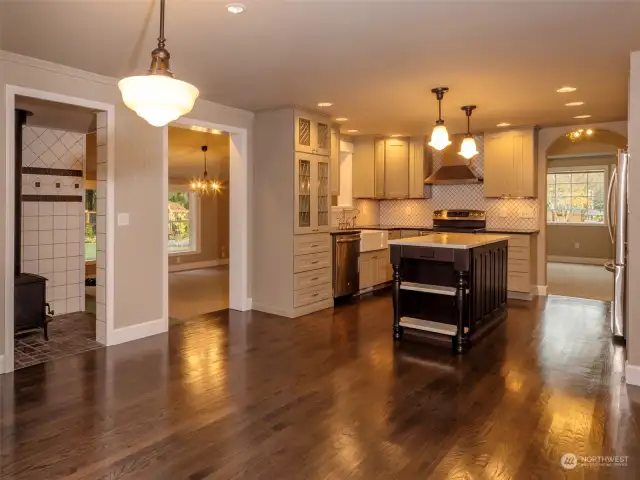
(101, 224)
(59, 236)
(59, 292)
(45, 208)
(29, 209)
(101, 172)
(101, 332)
(45, 251)
(59, 278)
(73, 304)
(73, 276)
(30, 266)
(60, 208)
(73, 290)
(60, 222)
(101, 206)
(73, 249)
(59, 307)
(101, 192)
(101, 276)
(45, 237)
(30, 238)
(30, 223)
(59, 250)
(44, 223)
(101, 136)
(101, 295)
(45, 266)
(101, 312)
(30, 252)
(73, 263)
(75, 208)
(73, 222)
(49, 292)
(60, 264)
(75, 235)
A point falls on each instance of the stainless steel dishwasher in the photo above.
(346, 255)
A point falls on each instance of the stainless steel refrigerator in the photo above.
(617, 211)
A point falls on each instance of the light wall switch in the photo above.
(123, 219)
(577, 245)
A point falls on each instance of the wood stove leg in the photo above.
(397, 329)
(461, 306)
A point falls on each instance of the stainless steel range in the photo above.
(466, 221)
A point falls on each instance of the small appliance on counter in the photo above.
(346, 254)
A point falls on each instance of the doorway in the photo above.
(198, 223)
(579, 167)
(51, 154)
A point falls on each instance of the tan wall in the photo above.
(139, 179)
(633, 335)
(594, 241)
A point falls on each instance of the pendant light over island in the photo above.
(440, 135)
(468, 148)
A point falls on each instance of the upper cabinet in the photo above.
(335, 160)
(312, 194)
(510, 164)
(312, 133)
(388, 168)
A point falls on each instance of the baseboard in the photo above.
(632, 374)
(249, 304)
(578, 260)
(294, 312)
(136, 332)
(282, 312)
(519, 295)
(541, 290)
(181, 267)
(2, 370)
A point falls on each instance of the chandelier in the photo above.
(157, 96)
(202, 185)
(579, 134)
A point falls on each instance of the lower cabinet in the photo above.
(521, 263)
(311, 272)
(375, 268)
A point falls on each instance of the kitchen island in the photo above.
(449, 286)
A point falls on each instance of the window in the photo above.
(90, 217)
(576, 195)
(182, 221)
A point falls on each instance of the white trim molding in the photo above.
(520, 295)
(579, 260)
(541, 290)
(632, 374)
(136, 332)
(2, 370)
(181, 267)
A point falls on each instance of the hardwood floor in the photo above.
(328, 396)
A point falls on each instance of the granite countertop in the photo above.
(461, 241)
(394, 227)
(523, 231)
(344, 231)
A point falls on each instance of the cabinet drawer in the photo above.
(519, 265)
(428, 253)
(304, 244)
(519, 241)
(395, 234)
(309, 295)
(519, 282)
(521, 253)
(312, 261)
(311, 278)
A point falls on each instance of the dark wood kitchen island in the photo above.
(449, 286)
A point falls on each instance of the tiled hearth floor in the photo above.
(68, 335)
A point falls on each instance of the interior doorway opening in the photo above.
(57, 167)
(198, 221)
(579, 169)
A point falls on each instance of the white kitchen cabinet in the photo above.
(312, 194)
(510, 164)
(364, 167)
(396, 168)
(312, 134)
(335, 161)
(418, 168)
(379, 167)
(374, 268)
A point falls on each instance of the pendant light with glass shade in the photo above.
(157, 96)
(468, 148)
(204, 186)
(440, 136)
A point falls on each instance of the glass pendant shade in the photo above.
(159, 99)
(468, 148)
(439, 137)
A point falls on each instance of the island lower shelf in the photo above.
(452, 293)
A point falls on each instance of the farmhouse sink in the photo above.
(373, 240)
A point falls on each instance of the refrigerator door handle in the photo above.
(610, 199)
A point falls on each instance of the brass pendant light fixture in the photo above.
(440, 135)
(468, 149)
(157, 96)
(202, 185)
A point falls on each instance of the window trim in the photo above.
(581, 169)
(194, 220)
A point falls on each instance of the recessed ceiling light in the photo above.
(235, 8)
(566, 89)
(353, 130)
(395, 135)
(573, 104)
(582, 116)
(503, 124)
(325, 104)
(341, 119)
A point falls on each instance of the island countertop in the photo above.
(462, 241)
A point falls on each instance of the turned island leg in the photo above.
(397, 329)
(461, 304)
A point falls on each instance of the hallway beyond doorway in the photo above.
(194, 292)
(580, 281)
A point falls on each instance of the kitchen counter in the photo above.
(394, 227)
(521, 231)
(458, 241)
(347, 231)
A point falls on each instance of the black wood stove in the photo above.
(30, 306)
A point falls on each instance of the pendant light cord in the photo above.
(161, 39)
(440, 109)
(469, 123)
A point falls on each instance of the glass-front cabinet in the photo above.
(312, 135)
(312, 194)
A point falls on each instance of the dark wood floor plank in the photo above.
(328, 396)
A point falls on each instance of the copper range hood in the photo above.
(454, 169)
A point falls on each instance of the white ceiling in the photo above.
(376, 60)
